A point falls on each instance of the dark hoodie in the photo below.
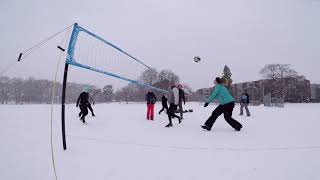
(164, 101)
(83, 99)
(151, 98)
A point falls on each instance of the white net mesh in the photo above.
(92, 52)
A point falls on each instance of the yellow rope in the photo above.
(52, 101)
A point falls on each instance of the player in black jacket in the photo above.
(83, 103)
(89, 107)
(182, 98)
(164, 101)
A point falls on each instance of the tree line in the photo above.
(33, 91)
(26, 91)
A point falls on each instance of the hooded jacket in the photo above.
(83, 99)
(164, 101)
(245, 98)
(151, 98)
(221, 94)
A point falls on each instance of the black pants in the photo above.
(180, 110)
(84, 111)
(90, 108)
(171, 112)
(226, 110)
(163, 108)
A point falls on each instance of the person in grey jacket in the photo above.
(244, 102)
(174, 102)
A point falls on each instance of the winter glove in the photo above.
(206, 104)
(77, 105)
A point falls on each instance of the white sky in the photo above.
(167, 34)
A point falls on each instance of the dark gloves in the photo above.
(206, 104)
(77, 105)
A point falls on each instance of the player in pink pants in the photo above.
(151, 100)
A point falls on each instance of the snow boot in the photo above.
(205, 128)
(169, 125)
(238, 128)
(83, 121)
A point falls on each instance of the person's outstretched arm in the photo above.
(213, 94)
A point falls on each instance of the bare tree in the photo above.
(282, 76)
(166, 79)
(169, 76)
(4, 89)
(108, 93)
(149, 76)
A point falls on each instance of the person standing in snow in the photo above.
(244, 102)
(164, 101)
(89, 106)
(83, 103)
(151, 100)
(174, 102)
(226, 106)
(181, 99)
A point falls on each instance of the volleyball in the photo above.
(196, 59)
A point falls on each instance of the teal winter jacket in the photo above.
(221, 94)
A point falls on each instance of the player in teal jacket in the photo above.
(226, 105)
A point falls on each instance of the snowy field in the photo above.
(120, 144)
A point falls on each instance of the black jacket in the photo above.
(83, 99)
(164, 101)
(151, 98)
(182, 98)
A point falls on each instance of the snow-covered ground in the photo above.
(120, 144)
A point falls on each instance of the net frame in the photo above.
(70, 60)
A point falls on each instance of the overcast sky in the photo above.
(167, 34)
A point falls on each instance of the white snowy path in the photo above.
(120, 144)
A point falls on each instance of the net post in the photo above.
(65, 76)
(69, 59)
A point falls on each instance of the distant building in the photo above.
(315, 92)
(298, 90)
(203, 94)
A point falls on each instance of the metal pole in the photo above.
(63, 106)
